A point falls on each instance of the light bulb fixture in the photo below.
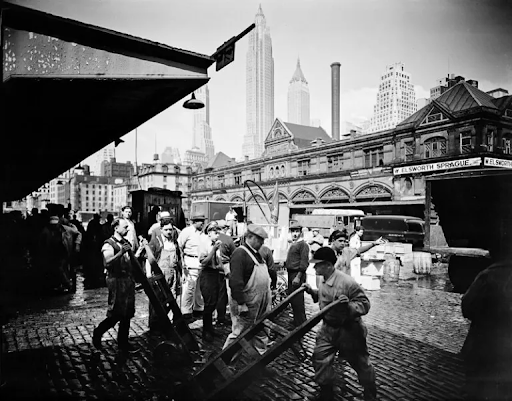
(193, 103)
(79, 167)
(118, 142)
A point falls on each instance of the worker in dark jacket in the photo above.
(296, 265)
(250, 287)
(342, 328)
(226, 250)
(487, 350)
(121, 285)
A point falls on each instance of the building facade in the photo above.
(105, 154)
(396, 99)
(171, 155)
(202, 132)
(380, 173)
(298, 98)
(174, 177)
(259, 88)
(111, 168)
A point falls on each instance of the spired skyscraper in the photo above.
(298, 98)
(202, 137)
(259, 88)
(396, 99)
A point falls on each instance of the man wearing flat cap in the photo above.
(250, 287)
(189, 241)
(342, 328)
(296, 266)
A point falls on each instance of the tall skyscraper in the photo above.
(259, 88)
(298, 98)
(202, 136)
(396, 99)
(171, 155)
(105, 154)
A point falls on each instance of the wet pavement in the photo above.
(415, 332)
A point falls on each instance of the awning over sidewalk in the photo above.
(71, 88)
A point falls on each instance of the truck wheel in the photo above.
(462, 270)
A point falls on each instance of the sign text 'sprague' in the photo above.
(448, 165)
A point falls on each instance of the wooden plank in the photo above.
(275, 327)
(471, 252)
(244, 377)
(179, 331)
(249, 348)
(223, 369)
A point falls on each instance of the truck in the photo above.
(143, 205)
(475, 211)
(216, 210)
(328, 220)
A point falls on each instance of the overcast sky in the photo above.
(432, 37)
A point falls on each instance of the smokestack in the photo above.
(335, 87)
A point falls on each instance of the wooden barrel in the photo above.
(422, 262)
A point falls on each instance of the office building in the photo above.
(298, 98)
(259, 88)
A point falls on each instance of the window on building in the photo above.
(465, 142)
(435, 147)
(165, 178)
(334, 163)
(271, 172)
(220, 181)
(238, 178)
(507, 144)
(409, 148)
(165, 186)
(489, 141)
(282, 170)
(256, 174)
(304, 167)
(373, 157)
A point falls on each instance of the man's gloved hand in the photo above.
(243, 310)
(343, 298)
(308, 289)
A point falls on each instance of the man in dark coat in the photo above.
(487, 350)
(121, 285)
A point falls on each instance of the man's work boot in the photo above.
(326, 393)
(370, 394)
(96, 339)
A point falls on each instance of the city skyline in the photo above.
(467, 38)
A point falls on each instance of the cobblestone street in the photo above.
(415, 334)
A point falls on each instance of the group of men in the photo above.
(216, 273)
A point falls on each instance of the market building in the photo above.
(379, 173)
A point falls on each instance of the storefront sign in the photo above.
(492, 162)
(448, 165)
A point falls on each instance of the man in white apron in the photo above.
(189, 241)
(250, 288)
(165, 250)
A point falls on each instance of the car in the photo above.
(394, 228)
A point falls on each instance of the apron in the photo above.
(257, 293)
(257, 298)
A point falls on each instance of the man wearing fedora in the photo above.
(189, 241)
(296, 265)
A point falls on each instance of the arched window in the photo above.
(165, 168)
(435, 147)
(271, 172)
(282, 170)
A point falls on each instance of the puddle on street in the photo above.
(437, 279)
